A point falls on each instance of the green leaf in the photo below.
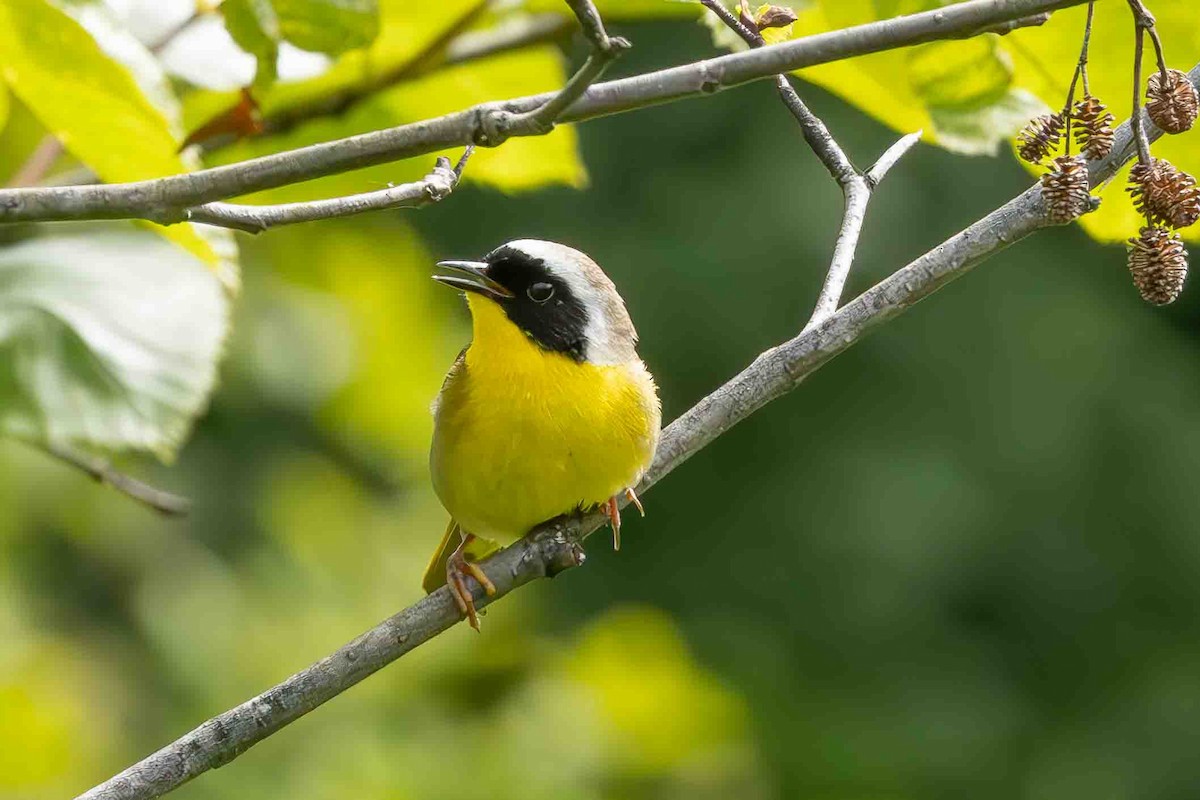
(323, 26)
(108, 340)
(91, 103)
(960, 92)
(328, 26)
(521, 164)
(255, 27)
(3, 106)
(119, 44)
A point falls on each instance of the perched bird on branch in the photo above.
(548, 410)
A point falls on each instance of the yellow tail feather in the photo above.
(435, 573)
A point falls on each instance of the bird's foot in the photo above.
(632, 497)
(612, 509)
(457, 570)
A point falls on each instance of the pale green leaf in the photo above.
(90, 102)
(328, 26)
(521, 164)
(108, 340)
(3, 106)
(119, 44)
(979, 131)
(323, 26)
(960, 92)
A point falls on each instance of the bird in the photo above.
(548, 411)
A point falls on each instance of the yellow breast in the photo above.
(523, 434)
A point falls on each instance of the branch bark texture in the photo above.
(166, 200)
(556, 545)
(435, 186)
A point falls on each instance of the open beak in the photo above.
(471, 276)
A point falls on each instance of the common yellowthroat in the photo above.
(547, 411)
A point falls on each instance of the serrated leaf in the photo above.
(108, 340)
(91, 103)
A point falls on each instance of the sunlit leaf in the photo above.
(521, 164)
(960, 92)
(90, 102)
(3, 106)
(107, 340)
(119, 44)
(328, 26)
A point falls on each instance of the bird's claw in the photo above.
(457, 570)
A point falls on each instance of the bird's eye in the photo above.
(540, 292)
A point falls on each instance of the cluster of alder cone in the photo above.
(1168, 197)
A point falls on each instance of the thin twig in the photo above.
(818, 137)
(1080, 71)
(554, 546)
(435, 186)
(165, 199)
(432, 54)
(1139, 127)
(856, 186)
(1032, 21)
(38, 163)
(101, 471)
(500, 124)
(857, 195)
(885, 162)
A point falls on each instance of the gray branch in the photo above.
(435, 186)
(856, 191)
(556, 545)
(101, 471)
(166, 199)
(499, 125)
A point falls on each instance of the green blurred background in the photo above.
(960, 560)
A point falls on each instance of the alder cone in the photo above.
(1039, 137)
(1172, 101)
(1164, 194)
(1158, 263)
(1094, 133)
(1065, 189)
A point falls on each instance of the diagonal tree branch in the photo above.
(435, 186)
(555, 545)
(165, 199)
(101, 471)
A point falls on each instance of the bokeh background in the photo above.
(963, 559)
